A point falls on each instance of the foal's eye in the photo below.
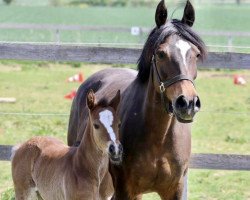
(160, 54)
(96, 126)
(198, 55)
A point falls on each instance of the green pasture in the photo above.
(208, 18)
(221, 127)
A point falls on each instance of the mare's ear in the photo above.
(91, 99)
(116, 100)
(189, 14)
(161, 14)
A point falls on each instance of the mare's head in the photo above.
(105, 125)
(170, 56)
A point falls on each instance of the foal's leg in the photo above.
(24, 186)
(22, 166)
(106, 187)
(25, 193)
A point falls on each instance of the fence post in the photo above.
(185, 188)
(230, 43)
(5, 152)
(57, 36)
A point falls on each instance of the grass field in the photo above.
(221, 127)
(235, 18)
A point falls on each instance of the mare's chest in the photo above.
(155, 162)
(152, 170)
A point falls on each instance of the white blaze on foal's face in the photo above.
(184, 47)
(107, 118)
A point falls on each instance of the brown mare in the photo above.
(44, 167)
(157, 105)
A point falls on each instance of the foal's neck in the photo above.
(89, 157)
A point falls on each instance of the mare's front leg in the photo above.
(120, 187)
(120, 192)
(176, 195)
(139, 197)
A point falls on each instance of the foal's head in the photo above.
(105, 125)
(170, 55)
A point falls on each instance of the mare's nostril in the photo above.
(112, 149)
(181, 103)
(197, 104)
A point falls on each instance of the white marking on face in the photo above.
(184, 47)
(106, 118)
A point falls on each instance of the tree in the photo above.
(56, 2)
(7, 1)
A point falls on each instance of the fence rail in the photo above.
(78, 53)
(144, 30)
(198, 161)
(140, 31)
(63, 27)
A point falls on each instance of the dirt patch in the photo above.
(10, 68)
(214, 74)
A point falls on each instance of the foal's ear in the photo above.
(189, 14)
(161, 14)
(91, 99)
(116, 100)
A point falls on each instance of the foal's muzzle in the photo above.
(115, 151)
(185, 109)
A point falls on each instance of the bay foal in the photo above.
(46, 168)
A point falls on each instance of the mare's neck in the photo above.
(161, 127)
(90, 158)
(157, 120)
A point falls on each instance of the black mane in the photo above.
(158, 36)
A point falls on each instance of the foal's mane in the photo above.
(157, 36)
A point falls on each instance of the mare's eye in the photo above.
(119, 125)
(160, 54)
(198, 55)
(96, 126)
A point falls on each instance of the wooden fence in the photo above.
(198, 161)
(77, 53)
(107, 55)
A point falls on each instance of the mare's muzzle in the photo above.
(182, 107)
(185, 109)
